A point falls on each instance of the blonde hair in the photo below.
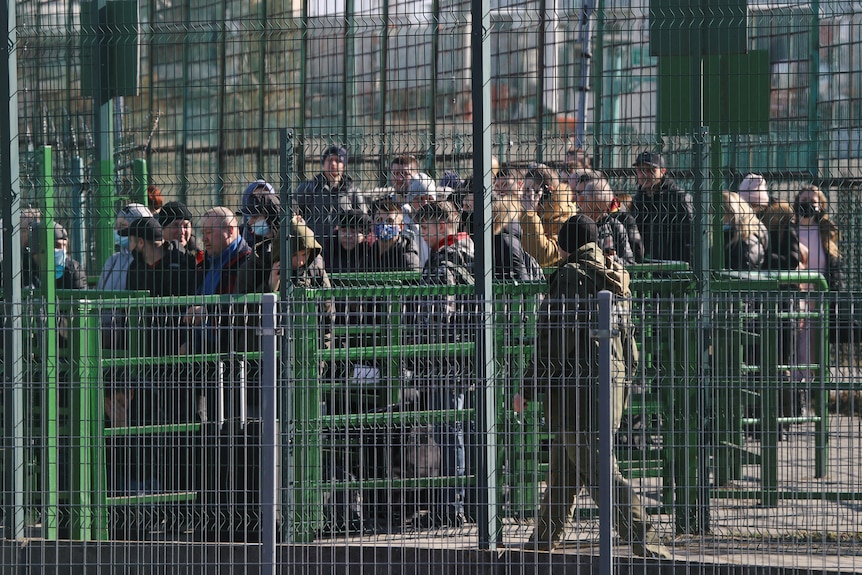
(505, 211)
(778, 217)
(742, 216)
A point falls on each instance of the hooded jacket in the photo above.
(566, 352)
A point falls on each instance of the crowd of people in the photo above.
(542, 218)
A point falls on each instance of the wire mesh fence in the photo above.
(432, 378)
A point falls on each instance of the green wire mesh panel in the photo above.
(323, 130)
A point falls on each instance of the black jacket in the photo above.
(175, 274)
(320, 203)
(402, 256)
(511, 262)
(665, 217)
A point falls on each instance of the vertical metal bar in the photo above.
(221, 417)
(431, 94)
(540, 80)
(187, 102)
(49, 351)
(490, 529)
(86, 486)
(382, 93)
(584, 72)
(140, 180)
(243, 393)
(262, 88)
(814, 89)
(269, 436)
(10, 209)
(286, 402)
(77, 230)
(348, 88)
(103, 132)
(598, 86)
(299, 130)
(221, 106)
(606, 435)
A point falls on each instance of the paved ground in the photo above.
(820, 533)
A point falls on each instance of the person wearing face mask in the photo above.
(393, 251)
(819, 235)
(68, 273)
(115, 272)
(818, 240)
(264, 216)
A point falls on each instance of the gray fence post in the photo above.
(606, 434)
(269, 437)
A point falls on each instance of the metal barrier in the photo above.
(330, 421)
(750, 320)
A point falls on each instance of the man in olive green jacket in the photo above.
(567, 368)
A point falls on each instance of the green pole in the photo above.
(49, 357)
(86, 487)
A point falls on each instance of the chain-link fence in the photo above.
(451, 203)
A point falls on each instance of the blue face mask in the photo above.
(728, 227)
(386, 232)
(122, 241)
(260, 229)
(59, 263)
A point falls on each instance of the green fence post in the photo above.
(48, 393)
(306, 445)
(88, 517)
(769, 384)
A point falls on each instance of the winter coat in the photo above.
(511, 262)
(539, 230)
(613, 239)
(402, 256)
(320, 203)
(665, 218)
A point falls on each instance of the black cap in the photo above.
(354, 219)
(334, 151)
(147, 228)
(578, 231)
(651, 159)
(173, 211)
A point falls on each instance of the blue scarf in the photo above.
(216, 265)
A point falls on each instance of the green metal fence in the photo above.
(108, 99)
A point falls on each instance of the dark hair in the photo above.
(385, 205)
(438, 212)
(405, 160)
